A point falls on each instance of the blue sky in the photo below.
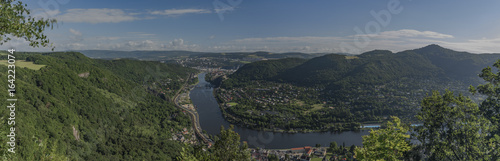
(325, 26)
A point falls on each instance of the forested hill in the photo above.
(374, 67)
(337, 92)
(263, 70)
(77, 108)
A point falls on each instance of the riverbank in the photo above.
(211, 120)
(191, 111)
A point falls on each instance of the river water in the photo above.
(211, 120)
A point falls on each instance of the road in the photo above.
(192, 113)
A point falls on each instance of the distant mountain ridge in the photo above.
(374, 67)
(165, 55)
(113, 54)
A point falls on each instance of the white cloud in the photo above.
(94, 16)
(76, 35)
(392, 40)
(308, 44)
(146, 44)
(108, 38)
(136, 35)
(74, 46)
(177, 42)
(45, 14)
(140, 45)
(177, 12)
(484, 45)
(408, 33)
(180, 44)
(304, 39)
(75, 32)
(395, 41)
(15, 43)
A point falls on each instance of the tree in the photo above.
(453, 128)
(273, 157)
(385, 144)
(333, 146)
(490, 108)
(352, 149)
(228, 147)
(16, 21)
(186, 155)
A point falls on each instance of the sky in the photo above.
(309, 26)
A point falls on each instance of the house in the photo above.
(305, 158)
(307, 150)
(320, 153)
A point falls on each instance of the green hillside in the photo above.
(374, 67)
(263, 70)
(77, 108)
(370, 87)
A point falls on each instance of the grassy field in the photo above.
(328, 155)
(316, 159)
(301, 103)
(316, 107)
(253, 56)
(298, 103)
(351, 57)
(232, 103)
(23, 63)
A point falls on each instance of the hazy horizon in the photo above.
(273, 26)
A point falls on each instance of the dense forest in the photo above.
(79, 108)
(374, 67)
(345, 89)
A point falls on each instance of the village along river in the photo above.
(211, 120)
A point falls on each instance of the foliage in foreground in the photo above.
(454, 127)
(17, 21)
(385, 144)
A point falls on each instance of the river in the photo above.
(211, 120)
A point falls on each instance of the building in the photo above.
(307, 150)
